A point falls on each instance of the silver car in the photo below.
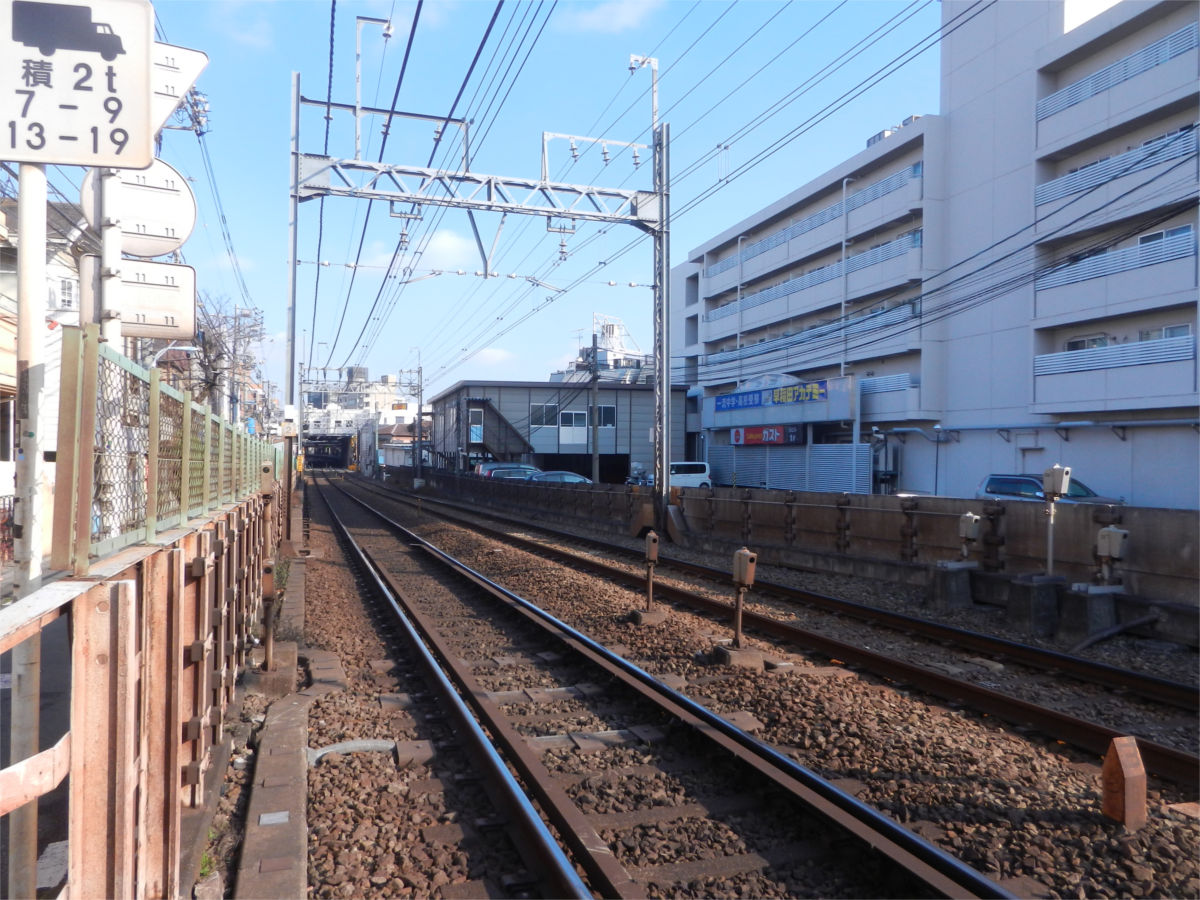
(1029, 487)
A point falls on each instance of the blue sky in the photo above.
(743, 76)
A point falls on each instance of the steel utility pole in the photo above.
(28, 525)
(595, 407)
(289, 440)
(400, 185)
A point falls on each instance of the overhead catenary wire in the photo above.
(412, 33)
(493, 110)
(897, 62)
(321, 202)
(398, 286)
(437, 141)
(995, 270)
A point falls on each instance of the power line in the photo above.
(897, 62)
(321, 202)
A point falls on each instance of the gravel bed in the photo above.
(686, 842)
(1014, 806)
(377, 829)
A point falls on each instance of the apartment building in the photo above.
(1006, 285)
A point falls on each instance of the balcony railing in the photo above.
(1161, 51)
(1167, 148)
(881, 188)
(860, 325)
(886, 384)
(871, 257)
(1142, 353)
(1120, 261)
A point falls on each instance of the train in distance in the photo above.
(329, 451)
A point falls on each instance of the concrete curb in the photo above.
(275, 842)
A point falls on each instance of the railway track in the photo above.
(651, 793)
(777, 623)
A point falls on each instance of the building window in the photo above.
(1166, 331)
(66, 293)
(1168, 233)
(543, 414)
(6, 431)
(1087, 343)
(608, 416)
(573, 420)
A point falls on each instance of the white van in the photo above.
(690, 474)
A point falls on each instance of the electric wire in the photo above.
(995, 270)
(906, 56)
(321, 201)
(911, 53)
(432, 155)
(412, 33)
(430, 230)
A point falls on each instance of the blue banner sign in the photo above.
(777, 396)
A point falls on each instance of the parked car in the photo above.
(690, 474)
(514, 470)
(1029, 487)
(559, 477)
(484, 468)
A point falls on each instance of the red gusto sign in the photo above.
(767, 434)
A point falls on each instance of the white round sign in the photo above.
(155, 206)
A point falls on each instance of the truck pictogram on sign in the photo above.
(58, 26)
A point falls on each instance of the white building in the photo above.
(1001, 287)
(347, 403)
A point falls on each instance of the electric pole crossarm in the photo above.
(322, 176)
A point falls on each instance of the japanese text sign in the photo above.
(75, 83)
(777, 396)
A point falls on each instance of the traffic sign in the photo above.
(156, 208)
(157, 300)
(174, 71)
(75, 83)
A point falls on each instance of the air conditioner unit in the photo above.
(910, 120)
(876, 138)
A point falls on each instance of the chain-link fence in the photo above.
(137, 457)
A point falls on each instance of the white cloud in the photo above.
(494, 358)
(610, 16)
(449, 250)
(251, 25)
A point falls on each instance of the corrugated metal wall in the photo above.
(821, 467)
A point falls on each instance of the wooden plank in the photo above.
(185, 467)
(154, 453)
(19, 621)
(35, 776)
(125, 719)
(90, 850)
(66, 465)
(202, 698)
(173, 719)
(89, 386)
(159, 742)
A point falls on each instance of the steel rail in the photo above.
(1166, 762)
(1161, 690)
(941, 871)
(545, 857)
